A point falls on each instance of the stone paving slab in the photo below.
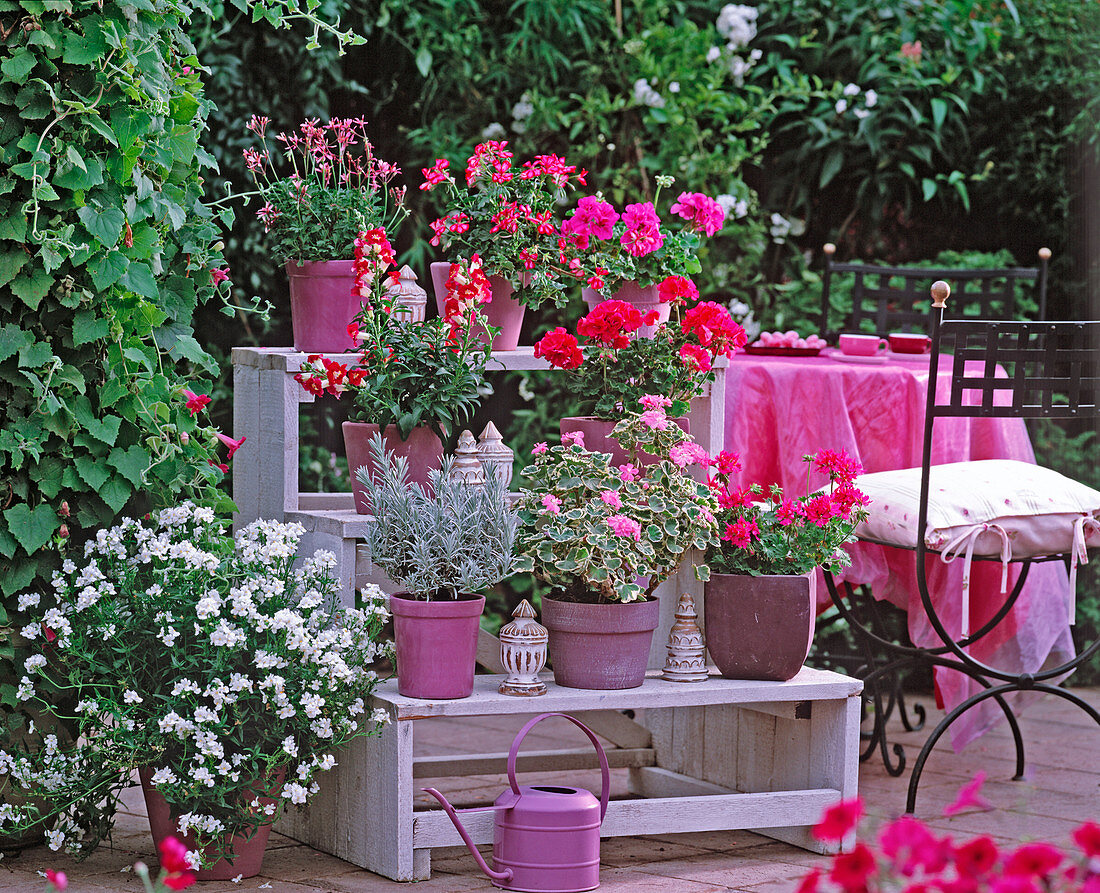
(1061, 790)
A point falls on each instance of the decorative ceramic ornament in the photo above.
(496, 457)
(686, 660)
(407, 293)
(467, 466)
(523, 652)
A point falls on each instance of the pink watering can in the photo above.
(546, 839)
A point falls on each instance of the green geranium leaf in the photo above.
(32, 528)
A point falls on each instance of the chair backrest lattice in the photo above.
(894, 299)
(1005, 369)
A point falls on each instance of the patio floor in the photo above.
(1061, 790)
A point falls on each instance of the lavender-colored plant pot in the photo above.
(322, 305)
(436, 645)
(598, 439)
(503, 310)
(423, 449)
(644, 297)
(604, 646)
(759, 627)
(247, 853)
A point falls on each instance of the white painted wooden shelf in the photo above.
(717, 755)
(720, 754)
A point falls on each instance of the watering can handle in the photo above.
(604, 794)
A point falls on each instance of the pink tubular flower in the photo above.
(551, 504)
(611, 498)
(628, 472)
(539, 448)
(643, 230)
(655, 401)
(621, 525)
(436, 174)
(576, 437)
(219, 275)
(195, 402)
(221, 466)
(655, 419)
(705, 214)
(233, 445)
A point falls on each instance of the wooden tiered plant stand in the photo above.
(721, 754)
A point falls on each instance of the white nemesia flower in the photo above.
(35, 662)
(841, 106)
(714, 54)
(164, 776)
(851, 90)
(131, 697)
(494, 131)
(870, 98)
(737, 24)
(29, 600)
(861, 113)
(289, 746)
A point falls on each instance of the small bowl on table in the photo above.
(907, 342)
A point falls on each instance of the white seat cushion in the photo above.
(988, 507)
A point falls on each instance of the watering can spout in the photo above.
(506, 874)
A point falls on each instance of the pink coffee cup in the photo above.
(860, 345)
(910, 343)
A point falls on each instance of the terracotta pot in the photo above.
(436, 645)
(423, 449)
(598, 439)
(503, 310)
(322, 305)
(603, 646)
(644, 297)
(759, 627)
(247, 852)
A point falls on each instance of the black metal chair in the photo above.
(891, 299)
(998, 369)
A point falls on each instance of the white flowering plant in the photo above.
(220, 666)
(591, 529)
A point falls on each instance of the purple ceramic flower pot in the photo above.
(759, 627)
(598, 439)
(322, 305)
(246, 853)
(604, 646)
(502, 310)
(644, 297)
(436, 645)
(423, 450)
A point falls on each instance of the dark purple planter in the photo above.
(322, 305)
(436, 645)
(598, 439)
(423, 450)
(600, 646)
(759, 627)
(503, 310)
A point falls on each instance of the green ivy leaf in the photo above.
(32, 528)
(92, 470)
(131, 462)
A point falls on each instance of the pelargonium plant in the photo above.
(505, 215)
(409, 373)
(615, 368)
(591, 529)
(211, 662)
(765, 532)
(331, 188)
(910, 856)
(636, 245)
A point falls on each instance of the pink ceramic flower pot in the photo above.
(759, 627)
(503, 310)
(322, 305)
(598, 439)
(423, 449)
(644, 297)
(247, 853)
(602, 646)
(436, 644)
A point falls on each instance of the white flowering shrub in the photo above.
(214, 663)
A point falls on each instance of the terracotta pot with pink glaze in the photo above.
(598, 439)
(644, 297)
(600, 646)
(322, 305)
(423, 449)
(436, 644)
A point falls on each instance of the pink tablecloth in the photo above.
(779, 409)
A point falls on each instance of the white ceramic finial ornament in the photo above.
(467, 466)
(407, 293)
(523, 653)
(496, 457)
(686, 660)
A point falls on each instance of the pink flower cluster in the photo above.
(621, 525)
(705, 214)
(593, 218)
(643, 230)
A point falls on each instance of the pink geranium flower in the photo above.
(576, 437)
(551, 504)
(628, 472)
(705, 214)
(655, 401)
(655, 419)
(621, 525)
(612, 498)
(539, 448)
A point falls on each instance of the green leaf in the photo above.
(32, 287)
(93, 471)
(116, 492)
(81, 49)
(18, 65)
(939, 112)
(18, 576)
(32, 528)
(832, 166)
(131, 462)
(108, 269)
(928, 188)
(34, 355)
(11, 262)
(139, 279)
(8, 545)
(88, 327)
(106, 225)
(12, 340)
(75, 178)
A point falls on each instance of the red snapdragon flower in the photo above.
(559, 349)
(176, 871)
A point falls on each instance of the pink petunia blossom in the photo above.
(621, 525)
(968, 797)
(839, 819)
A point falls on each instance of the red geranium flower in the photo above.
(610, 323)
(839, 819)
(1033, 859)
(559, 349)
(678, 290)
(714, 328)
(1087, 837)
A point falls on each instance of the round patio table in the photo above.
(779, 409)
